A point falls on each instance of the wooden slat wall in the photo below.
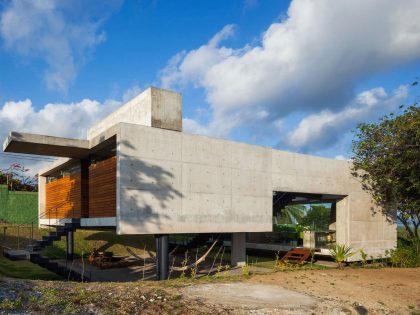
(63, 197)
(102, 188)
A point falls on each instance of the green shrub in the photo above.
(405, 256)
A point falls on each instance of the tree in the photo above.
(16, 178)
(317, 217)
(386, 159)
(291, 214)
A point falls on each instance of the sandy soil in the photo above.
(332, 292)
(372, 291)
(250, 297)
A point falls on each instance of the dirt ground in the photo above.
(331, 292)
(393, 289)
(352, 291)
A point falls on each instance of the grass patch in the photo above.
(85, 241)
(103, 240)
(25, 270)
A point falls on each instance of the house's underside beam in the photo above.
(27, 143)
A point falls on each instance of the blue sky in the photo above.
(296, 75)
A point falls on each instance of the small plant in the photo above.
(312, 252)
(341, 253)
(193, 273)
(364, 258)
(183, 264)
(11, 304)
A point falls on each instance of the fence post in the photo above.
(4, 233)
(18, 237)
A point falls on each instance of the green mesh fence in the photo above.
(18, 207)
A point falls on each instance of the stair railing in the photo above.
(48, 213)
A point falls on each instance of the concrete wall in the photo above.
(355, 223)
(154, 108)
(171, 182)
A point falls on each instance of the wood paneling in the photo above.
(63, 197)
(102, 188)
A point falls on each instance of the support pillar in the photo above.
(69, 245)
(162, 256)
(238, 250)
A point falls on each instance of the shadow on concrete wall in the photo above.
(148, 180)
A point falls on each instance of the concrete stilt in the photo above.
(238, 251)
(162, 257)
(70, 245)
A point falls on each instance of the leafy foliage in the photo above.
(386, 159)
(317, 217)
(404, 256)
(341, 253)
(16, 178)
(291, 214)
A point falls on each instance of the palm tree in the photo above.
(291, 214)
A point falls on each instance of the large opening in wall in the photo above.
(299, 220)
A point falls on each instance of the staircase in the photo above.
(32, 252)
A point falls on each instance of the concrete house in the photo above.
(139, 173)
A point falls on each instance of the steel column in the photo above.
(69, 245)
(162, 256)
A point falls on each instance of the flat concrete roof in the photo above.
(28, 143)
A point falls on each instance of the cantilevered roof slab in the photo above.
(28, 143)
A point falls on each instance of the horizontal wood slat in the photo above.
(103, 188)
(64, 196)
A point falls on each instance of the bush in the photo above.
(405, 256)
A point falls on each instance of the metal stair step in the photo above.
(33, 248)
(51, 238)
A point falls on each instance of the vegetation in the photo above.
(291, 214)
(317, 217)
(386, 161)
(25, 270)
(341, 253)
(16, 179)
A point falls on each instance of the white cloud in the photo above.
(56, 119)
(341, 157)
(192, 66)
(59, 119)
(308, 62)
(131, 93)
(60, 33)
(324, 129)
(192, 126)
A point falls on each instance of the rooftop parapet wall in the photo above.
(153, 108)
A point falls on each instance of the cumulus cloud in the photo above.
(56, 119)
(309, 61)
(60, 33)
(324, 129)
(192, 67)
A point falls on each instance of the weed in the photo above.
(8, 304)
(364, 258)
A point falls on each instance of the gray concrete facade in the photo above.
(172, 182)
